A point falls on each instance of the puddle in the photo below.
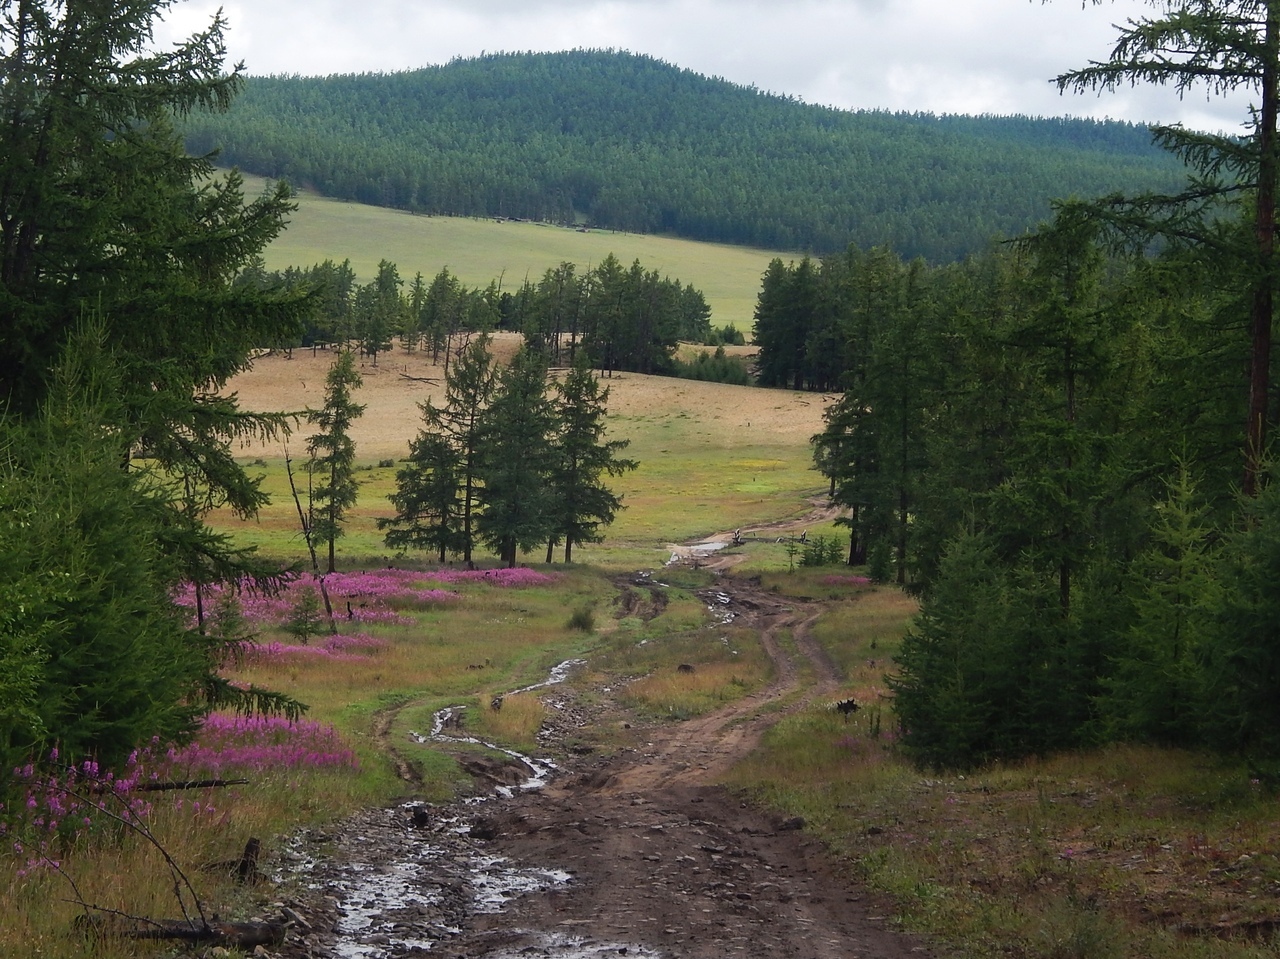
(694, 552)
(404, 893)
(540, 770)
(496, 882)
(718, 604)
(556, 945)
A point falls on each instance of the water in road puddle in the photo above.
(406, 891)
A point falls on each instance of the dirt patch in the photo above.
(393, 390)
(715, 552)
(640, 853)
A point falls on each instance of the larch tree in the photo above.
(428, 498)
(515, 459)
(468, 388)
(1222, 46)
(581, 458)
(332, 454)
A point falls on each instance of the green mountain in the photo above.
(627, 142)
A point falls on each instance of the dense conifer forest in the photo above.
(627, 142)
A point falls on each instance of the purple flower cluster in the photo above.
(257, 744)
(365, 597)
(59, 803)
(837, 580)
(332, 649)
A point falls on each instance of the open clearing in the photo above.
(480, 250)
(711, 456)
(732, 417)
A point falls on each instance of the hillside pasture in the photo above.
(712, 457)
(480, 250)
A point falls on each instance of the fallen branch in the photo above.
(245, 936)
(190, 784)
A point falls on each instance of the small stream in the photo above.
(403, 889)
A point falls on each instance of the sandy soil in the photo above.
(393, 390)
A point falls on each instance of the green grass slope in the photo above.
(621, 141)
(478, 250)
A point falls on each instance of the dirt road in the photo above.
(640, 854)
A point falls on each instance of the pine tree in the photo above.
(582, 457)
(332, 454)
(515, 460)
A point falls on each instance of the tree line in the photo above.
(628, 142)
(119, 328)
(620, 318)
(1062, 444)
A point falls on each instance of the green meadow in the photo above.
(481, 250)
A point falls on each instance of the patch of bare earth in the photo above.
(660, 860)
(393, 389)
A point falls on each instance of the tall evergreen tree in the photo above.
(515, 460)
(581, 458)
(428, 498)
(332, 454)
(1224, 46)
(102, 212)
(468, 388)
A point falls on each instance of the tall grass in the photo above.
(1126, 851)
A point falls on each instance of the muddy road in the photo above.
(637, 854)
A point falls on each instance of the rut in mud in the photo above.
(638, 854)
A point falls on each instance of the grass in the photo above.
(489, 640)
(480, 250)
(1125, 851)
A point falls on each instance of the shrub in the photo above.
(717, 368)
(583, 619)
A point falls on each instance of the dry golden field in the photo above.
(392, 390)
(712, 457)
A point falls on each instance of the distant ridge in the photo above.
(629, 142)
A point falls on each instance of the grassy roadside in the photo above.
(1097, 855)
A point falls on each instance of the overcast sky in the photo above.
(943, 56)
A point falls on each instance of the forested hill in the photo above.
(627, 142)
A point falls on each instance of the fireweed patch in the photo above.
(371, 596)
(349, 649)
(231, 744)
(54, 805)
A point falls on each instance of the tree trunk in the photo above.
(1264, 233)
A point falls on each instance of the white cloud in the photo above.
(957, 56)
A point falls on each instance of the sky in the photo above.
(939, 56)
